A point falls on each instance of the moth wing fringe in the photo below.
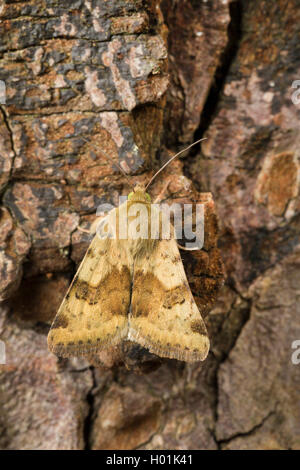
(69, 350)
(171, 352)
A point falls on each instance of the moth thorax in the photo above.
(142, 247)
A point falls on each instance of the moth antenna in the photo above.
(172, 158)
(109, 158)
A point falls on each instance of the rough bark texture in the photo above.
(137, 79)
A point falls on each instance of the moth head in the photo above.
(139, 194)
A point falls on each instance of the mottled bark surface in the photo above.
(138, 79)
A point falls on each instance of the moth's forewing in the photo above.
(164, 317)
(94, 313)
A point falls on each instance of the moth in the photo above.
(132, 289)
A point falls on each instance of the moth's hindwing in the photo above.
(164, 317)
(94, 313)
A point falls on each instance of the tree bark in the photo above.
(138, 79)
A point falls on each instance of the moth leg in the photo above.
(95, 224)
(92, 230)
(83, 229)
(187, 249)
